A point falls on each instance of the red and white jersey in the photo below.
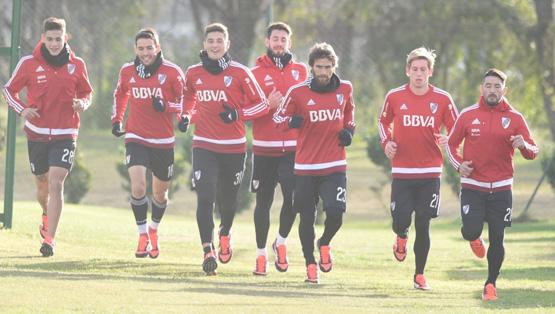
(415, 119)
(51, 90)
(204, 95)
(486, 132)
(325, 115)
(145, 125)
(267, 140)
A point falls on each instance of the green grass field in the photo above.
(94, 270)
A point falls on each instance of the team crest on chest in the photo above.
(433, 107)
(295, 74)
(339, 99)
(71, 68)
(505, 122)
(227, 80)
(162, 78)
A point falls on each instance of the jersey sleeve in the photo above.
(16, 83)
(84, 88)
(189, 97)
(349, 118)
(450, 115)
(256, 105)
(530, 150)
(284, 112)
(456, 136)
(175, 106)
(121, 96)
(384, 122)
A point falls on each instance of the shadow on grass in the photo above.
(536, 273)
(520, 299)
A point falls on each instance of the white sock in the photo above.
(280, 240)
(154, 225)
(142, 228)
(262, 252)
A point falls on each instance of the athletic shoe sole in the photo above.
(46, 250)
(209, 266)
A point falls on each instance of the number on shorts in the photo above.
(239, 177)
(68, 156)
(435, 201)
(170, 171)
(509, 215)
(341, 194)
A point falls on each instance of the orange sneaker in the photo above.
(261, 268)
(47, 247)
(225, 252)
(144, 246)
(420, 283)
(326, 261)
(43, 228)
(282, 263)
(400, 248)
(311, 274)
(478, 247)
(210, 263)
(489, 292)
(154, 244)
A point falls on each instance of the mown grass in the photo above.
(94, 270)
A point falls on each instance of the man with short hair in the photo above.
(322, 108)
(58, 90)
(417, 111)
(274, 151)
(153, 87)
(491, 130)
(220, 94)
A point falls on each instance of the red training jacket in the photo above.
(325, 115)
(145, 125)
(416, 118)
(486, 132)
(204, 95)
(267, 141)
(51, 90)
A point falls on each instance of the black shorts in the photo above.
(308, 191)
(159, 160)
(478, 207)
(43, 155)
(415, 195)
(211, 167)
(267, 171)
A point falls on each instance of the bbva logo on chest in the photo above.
(325, 115)
(146, 92)
(418, 120)
(211, 95)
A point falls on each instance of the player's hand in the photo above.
(30, 113)
(116, 129)
(390, 149)
(158, 104)
(183, 124)
(229, 115)
(346, 136)
(441, 140)
(275, 98)
(518, 141)
(465, 168)
(296, 122)
(78, 105)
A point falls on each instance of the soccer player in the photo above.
(153, 87)
(322, 108)
(58, 90)
(221, 94)
(491, 129)
(273, 150)
(417, 111)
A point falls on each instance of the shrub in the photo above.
(78, 181)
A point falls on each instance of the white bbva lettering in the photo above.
(145, 92)
(415, 120)
(211, 95)
(324, 115)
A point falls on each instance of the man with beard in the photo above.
(58, 90)
(417, 111)
(322, 109)
(220, 94)
(273, 150)
(491, 129)
(153, 87)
